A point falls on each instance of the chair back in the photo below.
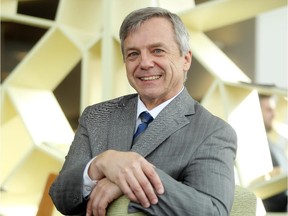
(245, 203)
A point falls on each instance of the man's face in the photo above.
(154, 66)
(268, 112)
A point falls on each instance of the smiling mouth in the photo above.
(150, 78)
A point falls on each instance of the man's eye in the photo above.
(132, 55)
(158, 51)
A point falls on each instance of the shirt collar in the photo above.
(155, 111)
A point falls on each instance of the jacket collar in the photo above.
(170, 119)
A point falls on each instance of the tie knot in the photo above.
(146, 117)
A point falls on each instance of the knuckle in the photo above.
(127, 192)
(122, 173)
(145, 184)
(94, 205)
(101, 210)
(137, 189)
(150, 172)
(130, 196)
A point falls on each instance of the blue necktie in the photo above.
(146, 118)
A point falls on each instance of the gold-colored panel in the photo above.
(219, 13)
(91, 85)
(214, 102)
(85, 16)
(253, 156)
(47, 64)
(8, 7)
(15, 145)
(42, 116)
(214, 60)
(32, 174)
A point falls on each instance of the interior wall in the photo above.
(271, 48)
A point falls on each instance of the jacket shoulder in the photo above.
(109, 105)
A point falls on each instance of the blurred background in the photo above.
(59, 56)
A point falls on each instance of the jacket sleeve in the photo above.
(66, 190)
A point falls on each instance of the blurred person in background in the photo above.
(278, 202)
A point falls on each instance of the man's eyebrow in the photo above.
(130, 48)
(158, 44)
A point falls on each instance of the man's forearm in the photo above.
(180, 199)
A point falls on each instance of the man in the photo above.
(278, 202)
(182, 164)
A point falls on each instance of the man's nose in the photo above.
(146, 61)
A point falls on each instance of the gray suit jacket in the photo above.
(193, 151)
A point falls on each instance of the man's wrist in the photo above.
(93, 171)
(88, 183)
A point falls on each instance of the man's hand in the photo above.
(102, 195)
(135, 176)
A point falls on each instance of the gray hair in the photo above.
(137, 17)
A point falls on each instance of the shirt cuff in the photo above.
(88, 183)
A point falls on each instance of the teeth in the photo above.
(150, 78)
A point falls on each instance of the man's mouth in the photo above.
(150, 78)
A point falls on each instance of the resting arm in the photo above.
(207, 184)
(66, 190)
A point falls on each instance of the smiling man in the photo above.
(182, 164)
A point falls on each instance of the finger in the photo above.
(126, 189)
(102, 206)
(154, 178)
(89, 208)
(91, 203)
(137, 189)
(104, 193)
(95, 203)
(99, 205)
(146, 186)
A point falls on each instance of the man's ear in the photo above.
(188, 60)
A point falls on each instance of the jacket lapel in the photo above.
(170, 119)
(123, 125)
